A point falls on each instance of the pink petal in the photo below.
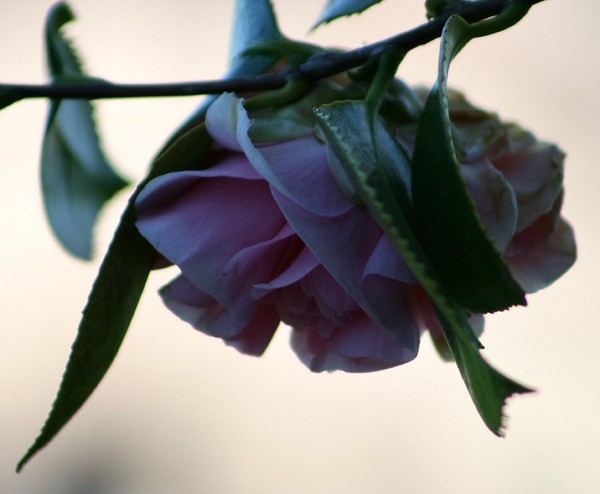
(386, 261)
(535, 172)
(225, 119)
(258, 333)
(206, 315)
(197, 308)
(342, 244)
(201, 224)
(359, 346)
(390, 304)
(302, 264)
(543, 252)
(299, 170)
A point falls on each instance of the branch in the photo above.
(319, 66)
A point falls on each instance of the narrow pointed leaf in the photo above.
(488, 388)
(377, 168)
(341, 8)
(114, 297)
(447, 223)
(77, 179)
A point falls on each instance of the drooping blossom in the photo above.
(266, 235)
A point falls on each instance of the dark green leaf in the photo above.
(77, 179)
(488, 388)
(447, 223)
(114, 297)
(374, 160)
(111, 306)
(340, 8)
(377, 168)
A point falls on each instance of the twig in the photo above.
(317, 67)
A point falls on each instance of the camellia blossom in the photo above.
(265, 233)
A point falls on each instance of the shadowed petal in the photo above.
(543, 252)
(200, 224)
(205, 314)
(358, 346)
(535, 172)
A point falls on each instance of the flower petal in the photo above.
(296, 168)
(201, 224)
(197, 308)
(343, 244)
(301, 173)
(392, 304)
(386, 261)
(358, 346)
(535, 172)
(543, 252)
(207, 315)
(302, 264)
(225, 118)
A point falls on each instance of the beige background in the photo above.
(180, 412)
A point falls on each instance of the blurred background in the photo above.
(181, 413)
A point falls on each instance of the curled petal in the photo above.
(205, 314)
(304, 263)
(296, 168)
(543, 252)
(535, 172)
(225, 118)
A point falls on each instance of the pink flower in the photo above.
(265, 235)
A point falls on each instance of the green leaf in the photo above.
(114, 297)
(376, 165)
(374, 161)
(340, 8)
(77, 179)
(446, 220)
(488, 388)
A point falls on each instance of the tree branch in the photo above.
(317, 67)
